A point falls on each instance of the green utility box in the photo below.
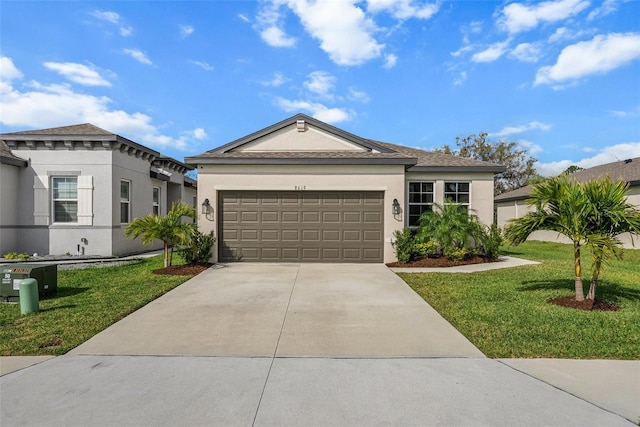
(11, 274)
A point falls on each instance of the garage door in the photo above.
(274, 226)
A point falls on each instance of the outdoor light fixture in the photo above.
(396, 207)
(206, 207)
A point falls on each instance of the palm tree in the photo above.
(561, 206)
(169, 228)
(609, 216)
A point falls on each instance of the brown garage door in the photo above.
(275, 226)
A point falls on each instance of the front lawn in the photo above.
(87, 302)
(505, 312)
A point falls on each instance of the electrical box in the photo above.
(11, 274)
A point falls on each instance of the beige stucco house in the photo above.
(302, 190)
(514, 204)
(74, 189)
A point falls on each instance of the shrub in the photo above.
(403, 244)
(198, 249)
(460, 254)
(425, 250)
(490, 241)
(16, 255)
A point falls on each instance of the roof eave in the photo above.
(13, 161)
(300, 161)
(494, 169)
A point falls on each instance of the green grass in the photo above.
(505, 312)
(87, 302)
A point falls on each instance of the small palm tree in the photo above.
(169, 228)
(561, 206)
(609, 216)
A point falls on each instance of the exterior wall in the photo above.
(289, 139)
(519, 208)
(387, 178)
(481, 190)
(9, 176)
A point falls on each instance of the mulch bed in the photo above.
(440, 262)
(587, 304)
(183, 270)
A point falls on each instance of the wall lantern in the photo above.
(396, 207)
(206, 207)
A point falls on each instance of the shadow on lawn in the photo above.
(607, 291)
(65, 291)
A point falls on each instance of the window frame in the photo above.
(54, 199)
(155, 204)
(457, 193)
(125, 201)
(421, 204)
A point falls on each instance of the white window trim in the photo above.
(54, 200)
(408, 199)
(128, 202)
(157, 204)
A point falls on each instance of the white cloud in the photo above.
(624, 114)
(514, 130)
(186, 30)
(138, 55)
(475, 27)
(277, 80)
(202, 64)
(564, 33)
(243, 17)
(608, 154)
(318, 111)
(320, 83)
(390, 61)
(8, 70)
(518, 17)
(78, 73)
(275, 37)
(607, 8)
(199, 133)
(115, 19)
(356, 95)
(492, 53)
(404, 9)
(43, 106)
(526, 52)
(597, 56)
(531, 148)
(464, 49)
(462, 77)
(344, 31)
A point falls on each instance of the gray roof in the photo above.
(624, 170)
(376, 152)
(78, 130)
(8, 158)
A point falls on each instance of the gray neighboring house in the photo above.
(301, 190)
(513, 204)
(74, 189)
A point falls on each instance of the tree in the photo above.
(170, 229)
(519, 164)
(609, 216)
(592, 213)
(560, 205)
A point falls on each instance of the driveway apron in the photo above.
(286, 310)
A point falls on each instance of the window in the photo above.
(457, 192)
(420, 200)
(156, 200)
(125, 202)
(65, 199)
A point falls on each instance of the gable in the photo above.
(299, 136)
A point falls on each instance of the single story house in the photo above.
(514, 204)
(74, 189)
(304, 191)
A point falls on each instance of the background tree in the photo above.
(170, 229)
(519, 164)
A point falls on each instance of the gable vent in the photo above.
(300, 125)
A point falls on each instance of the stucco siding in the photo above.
(386, 178)
(8, 208)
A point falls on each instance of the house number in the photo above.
(300, 187)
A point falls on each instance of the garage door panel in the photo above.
(301, 226)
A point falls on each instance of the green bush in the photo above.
(16, 255)
(490, 241)
(425, 250)
(198, 249)
(460, 254)
(403, 244)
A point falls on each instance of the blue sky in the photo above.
(560, 77)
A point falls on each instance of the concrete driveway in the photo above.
(286, 345)
(286, 310)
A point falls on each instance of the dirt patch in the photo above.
(587, 304)
(441, 262)
(183, 270)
